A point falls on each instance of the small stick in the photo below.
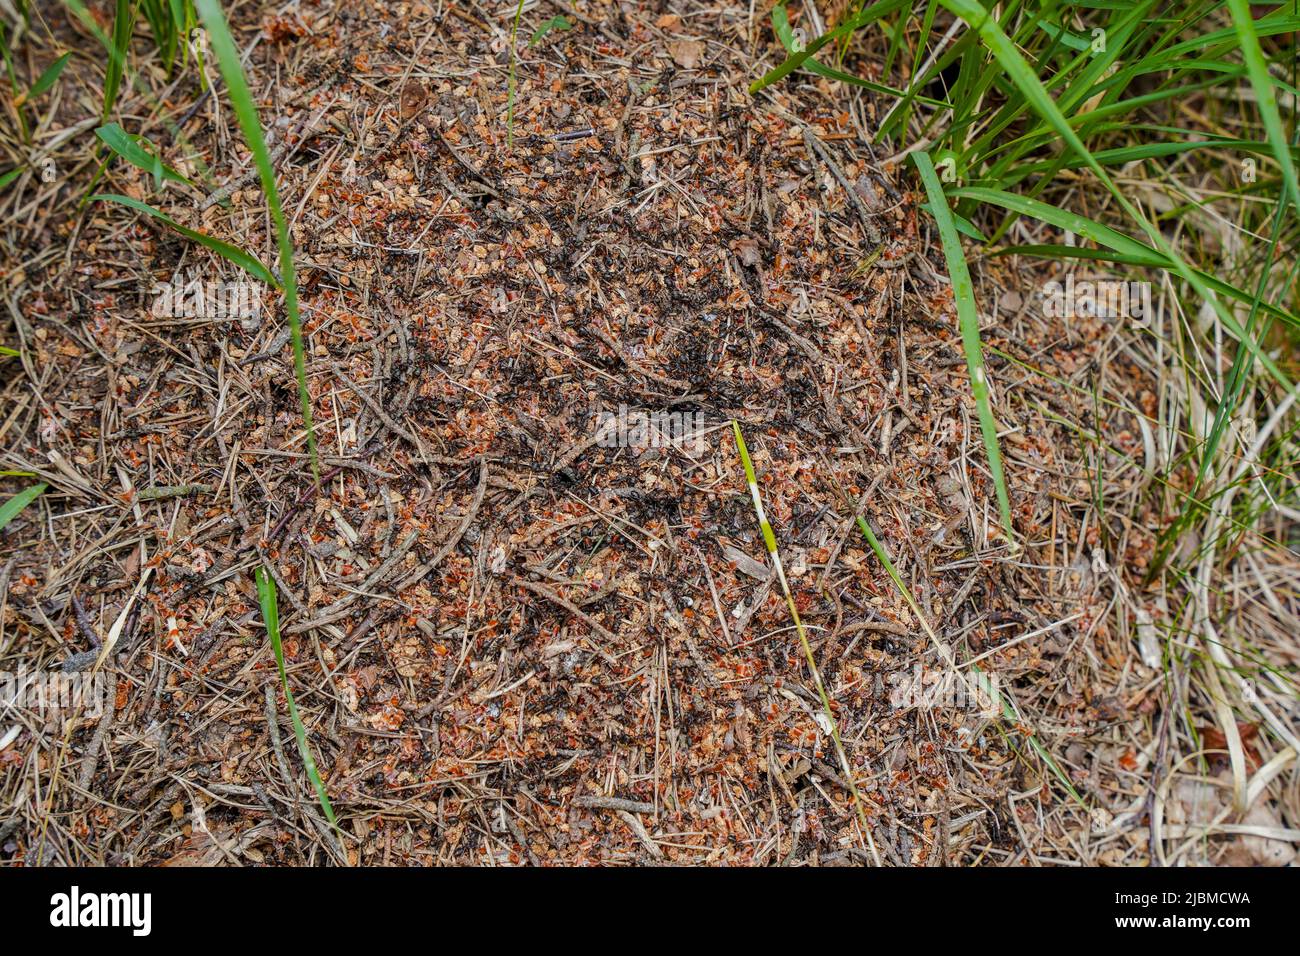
(642, 834)
(454, 540)
(593, 802)
(90, 763)
(576, 611)
(172, 491)
(769, 539)
(83, 622)
(817, 149)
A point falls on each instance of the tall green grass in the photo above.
(1058, 124)
(968, 318)
(232, 71)
(1027, 95)
(173, 25)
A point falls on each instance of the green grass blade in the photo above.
(784, 33)
(227, 56)
(183, 14)
(233, 254)
(1025, 80)
(1130, 252)
(10, 176)
(45, 80)
(138, 151)
(1063, 219)
(1127, 154)
(7, 55)
(1235, 386)
(266, 596)
(558, 22)
(512, 81)
(1226, 39)
(18, 502)
(167, 20)
(1078, 88)
(769, 539)
(123, 22)
(963, 292)
(1265, 98)
(1054, 251)
(798, 58)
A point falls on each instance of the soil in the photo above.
(513, 641)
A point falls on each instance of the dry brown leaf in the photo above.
(686, 53)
